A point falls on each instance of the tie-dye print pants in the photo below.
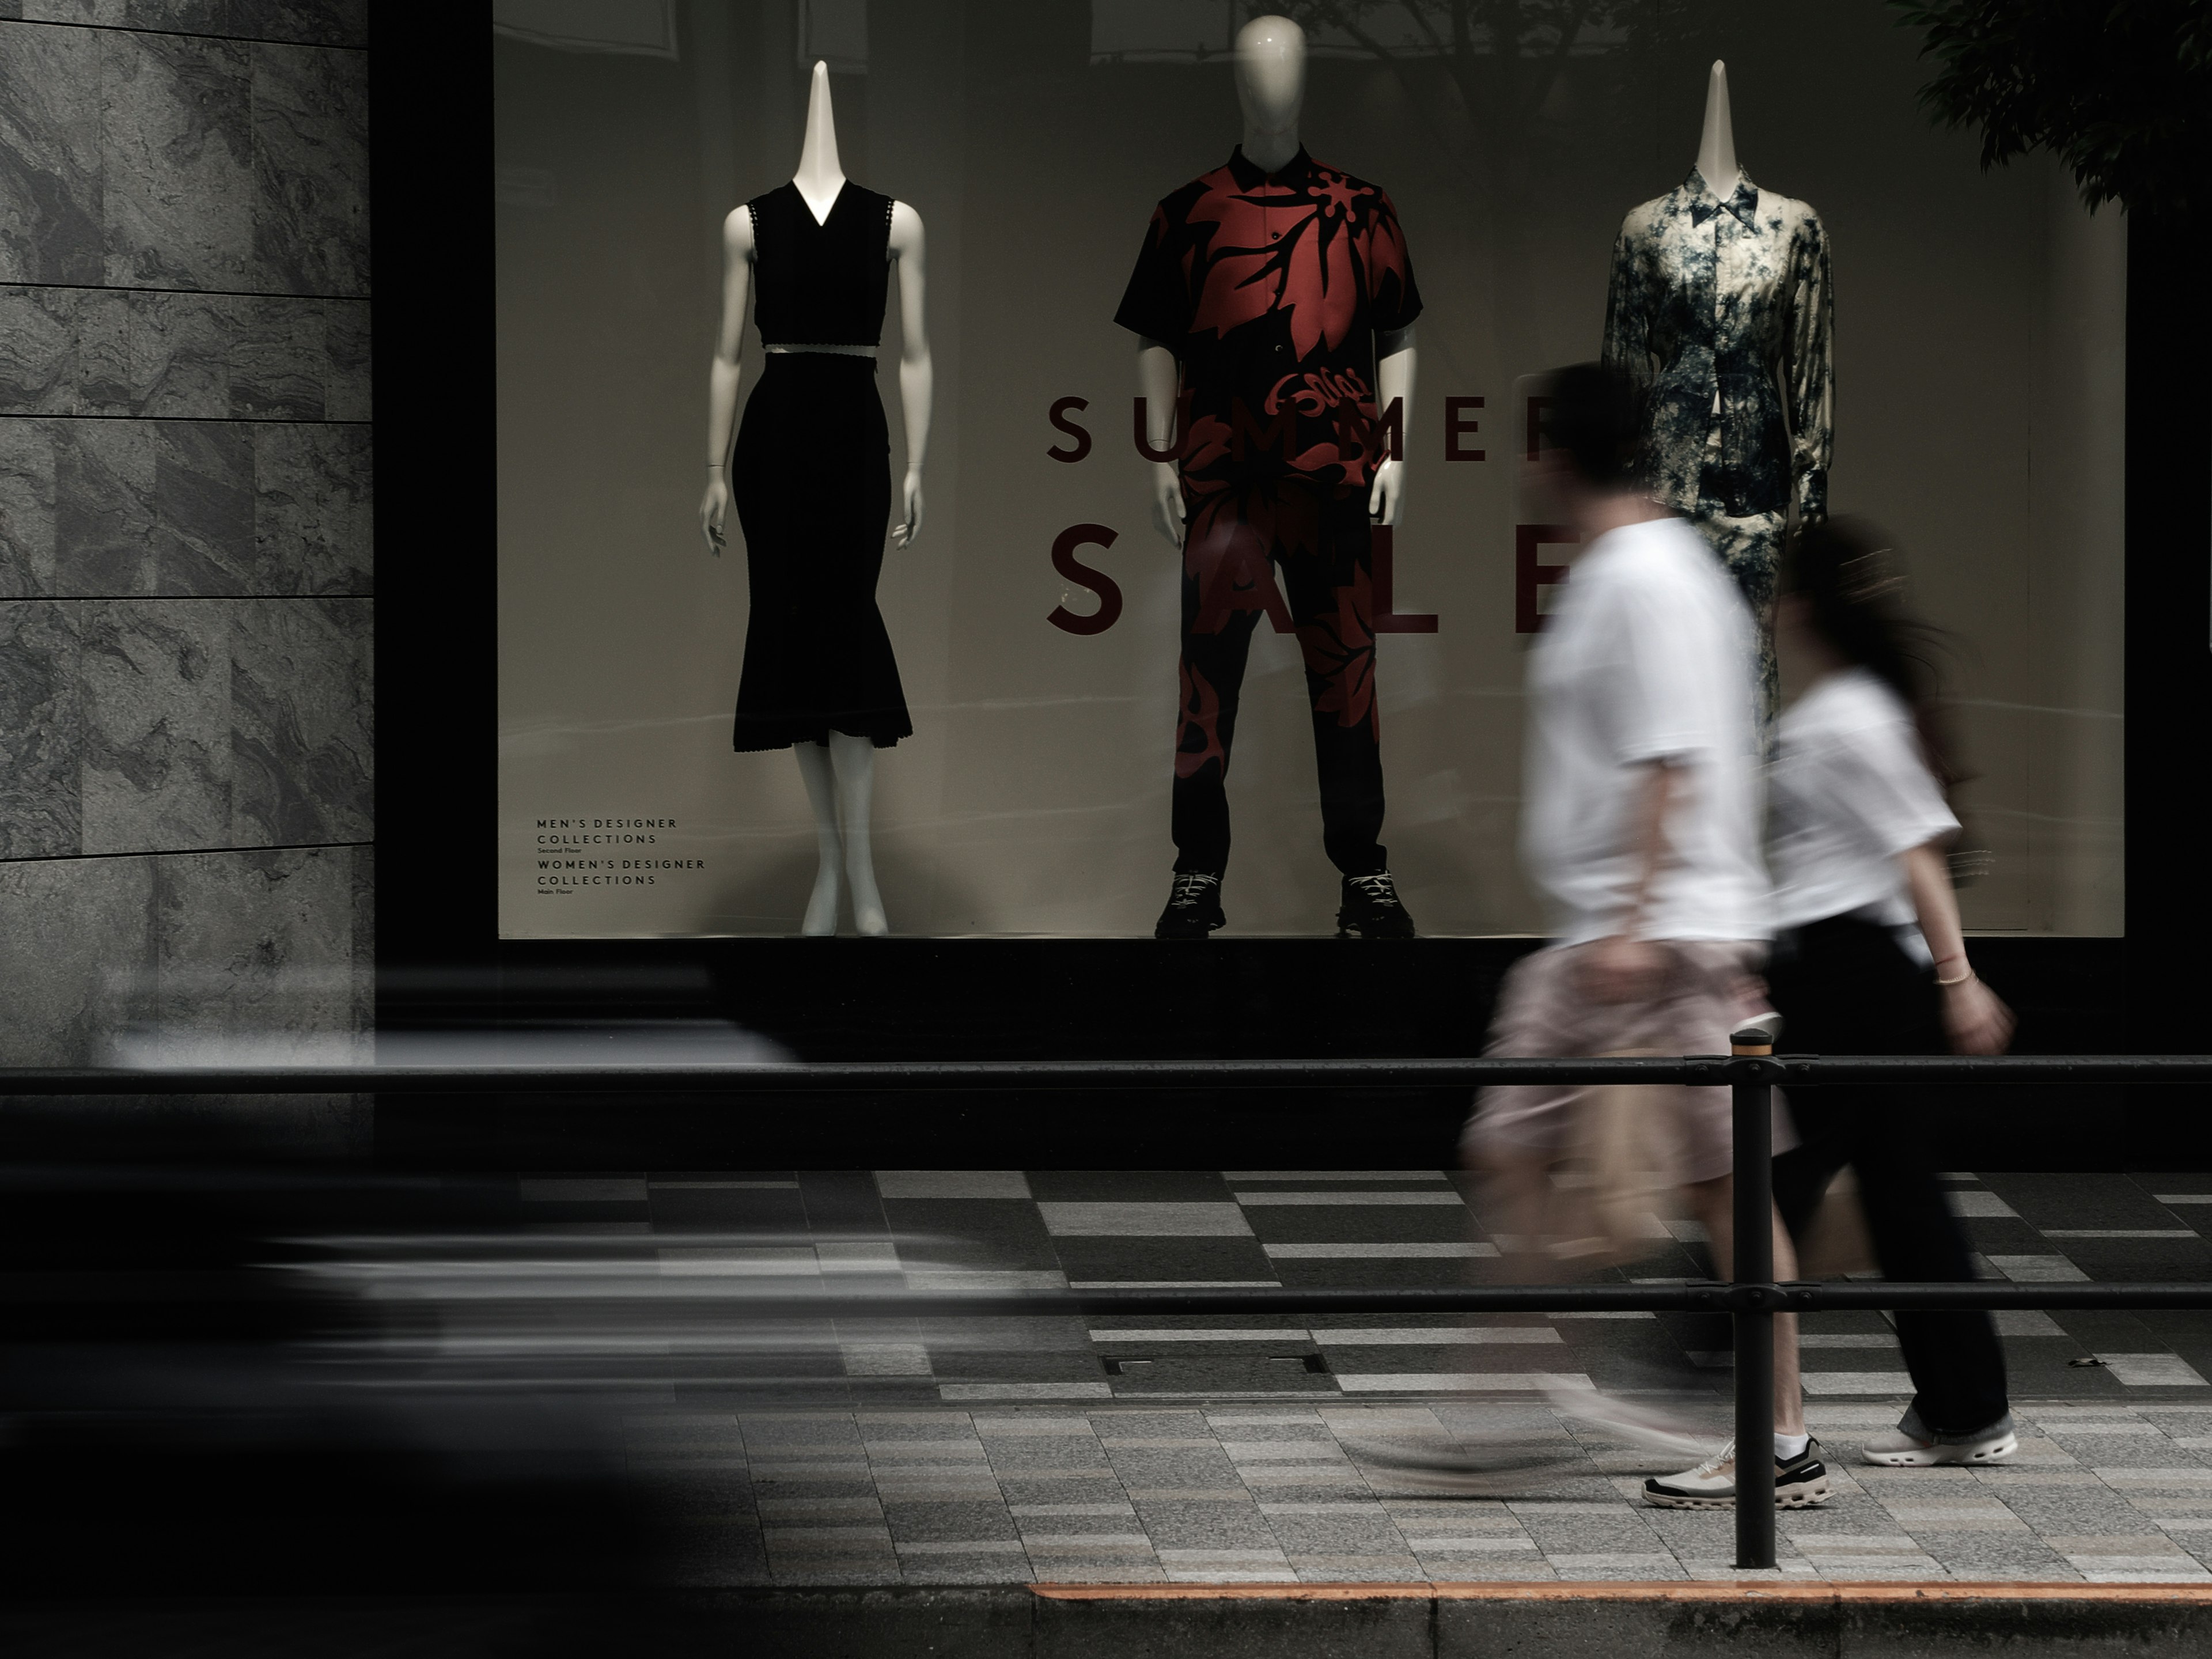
(1750, 544)
(1234, 542)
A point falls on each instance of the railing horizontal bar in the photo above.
(872, 1304)
(892, 1076)
(1872, 1294)
(1998, 1068)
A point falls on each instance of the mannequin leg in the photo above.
(854, 761)
(815, 766)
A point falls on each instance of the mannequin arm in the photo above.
(1809, 375)
(722, 377)
(1394, 381)
(916, 376)
(1156, 384)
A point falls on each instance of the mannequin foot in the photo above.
(1372, 910)
(1193, 906)
(822, 908)
(868, 918)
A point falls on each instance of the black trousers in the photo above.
(1236, 540)
(1845, 986)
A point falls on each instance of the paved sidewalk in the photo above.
(886, 1229)
(2106, 1493)
(1207, 1450)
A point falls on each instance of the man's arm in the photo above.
(1624, 965)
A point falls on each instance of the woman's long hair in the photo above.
(1848, 572)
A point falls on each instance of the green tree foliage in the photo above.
(2119, 91)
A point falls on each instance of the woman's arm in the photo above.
(916, 376)
(1973, 1019)
(722, 377)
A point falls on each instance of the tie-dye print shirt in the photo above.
(1727, 300)
(1270, 289)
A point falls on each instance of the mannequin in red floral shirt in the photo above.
(1278, 292)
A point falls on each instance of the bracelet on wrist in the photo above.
(1960, 980)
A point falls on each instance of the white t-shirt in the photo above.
(1647, 657)
(1851, 791)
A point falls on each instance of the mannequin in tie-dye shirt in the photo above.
(1722, 310)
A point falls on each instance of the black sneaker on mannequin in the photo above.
(1194, 907)
(1372, 910)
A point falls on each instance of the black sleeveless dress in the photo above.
(811, 480)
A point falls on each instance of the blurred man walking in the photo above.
(1641, 832)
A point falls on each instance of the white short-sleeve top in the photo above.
(1850, 790)
(1645, 658)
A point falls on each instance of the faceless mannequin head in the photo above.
(818, 156)
(1271, 86)
(1717, 162)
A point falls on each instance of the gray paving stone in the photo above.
(838, 1480)
(1306, 1534)
(1012, 1458)
(948, 1522)
(1181, 1524)
(1355, 1569)
(1066, 1489)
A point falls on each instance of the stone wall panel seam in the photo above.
(359, 49)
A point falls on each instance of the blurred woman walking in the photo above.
(1868, 959)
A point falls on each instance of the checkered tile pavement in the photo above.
(1188, 1449)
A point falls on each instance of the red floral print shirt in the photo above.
(1270, 289)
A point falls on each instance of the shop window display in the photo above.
(1355, 566)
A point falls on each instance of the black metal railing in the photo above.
(866, 1076)
(1752, 1298)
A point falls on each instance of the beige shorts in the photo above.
(1542, 1014)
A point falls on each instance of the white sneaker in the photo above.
(1901, 1450)
(1799, 1484)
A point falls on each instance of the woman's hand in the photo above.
(1975, 1020)
(713, 508)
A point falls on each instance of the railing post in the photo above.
(1755, 1327)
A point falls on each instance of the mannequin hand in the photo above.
(1974, 1019)
(1622, 969)
(712, 509)
(1382, 500)
(902, 534)
(1167, 502)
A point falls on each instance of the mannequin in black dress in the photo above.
(810, 481)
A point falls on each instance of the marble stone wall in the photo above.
(186, 711)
